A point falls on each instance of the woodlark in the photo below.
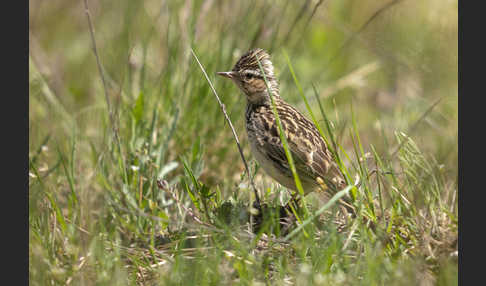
(311, 156)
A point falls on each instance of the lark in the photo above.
(313, 161)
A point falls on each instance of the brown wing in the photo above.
(310, 154)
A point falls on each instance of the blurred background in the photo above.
(391, 66)
(390, 59)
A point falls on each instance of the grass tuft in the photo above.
(134, 177)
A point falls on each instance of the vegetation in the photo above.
(150, 189)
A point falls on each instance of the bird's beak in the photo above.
(229, 74)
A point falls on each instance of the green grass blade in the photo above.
(331, 202)
(283, 139)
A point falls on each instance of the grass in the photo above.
(386, 105)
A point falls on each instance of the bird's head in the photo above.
(248, 76)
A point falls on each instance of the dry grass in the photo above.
(388, 101)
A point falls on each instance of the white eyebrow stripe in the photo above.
(253, 72)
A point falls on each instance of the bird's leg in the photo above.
(295, 198)
(292, 204)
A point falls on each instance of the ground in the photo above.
(382, 89)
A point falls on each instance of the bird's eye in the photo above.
(248, 76)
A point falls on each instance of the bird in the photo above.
(314, 163)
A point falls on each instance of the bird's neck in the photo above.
(264, 97)
(253, 106)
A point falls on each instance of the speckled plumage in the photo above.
(311, 156)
